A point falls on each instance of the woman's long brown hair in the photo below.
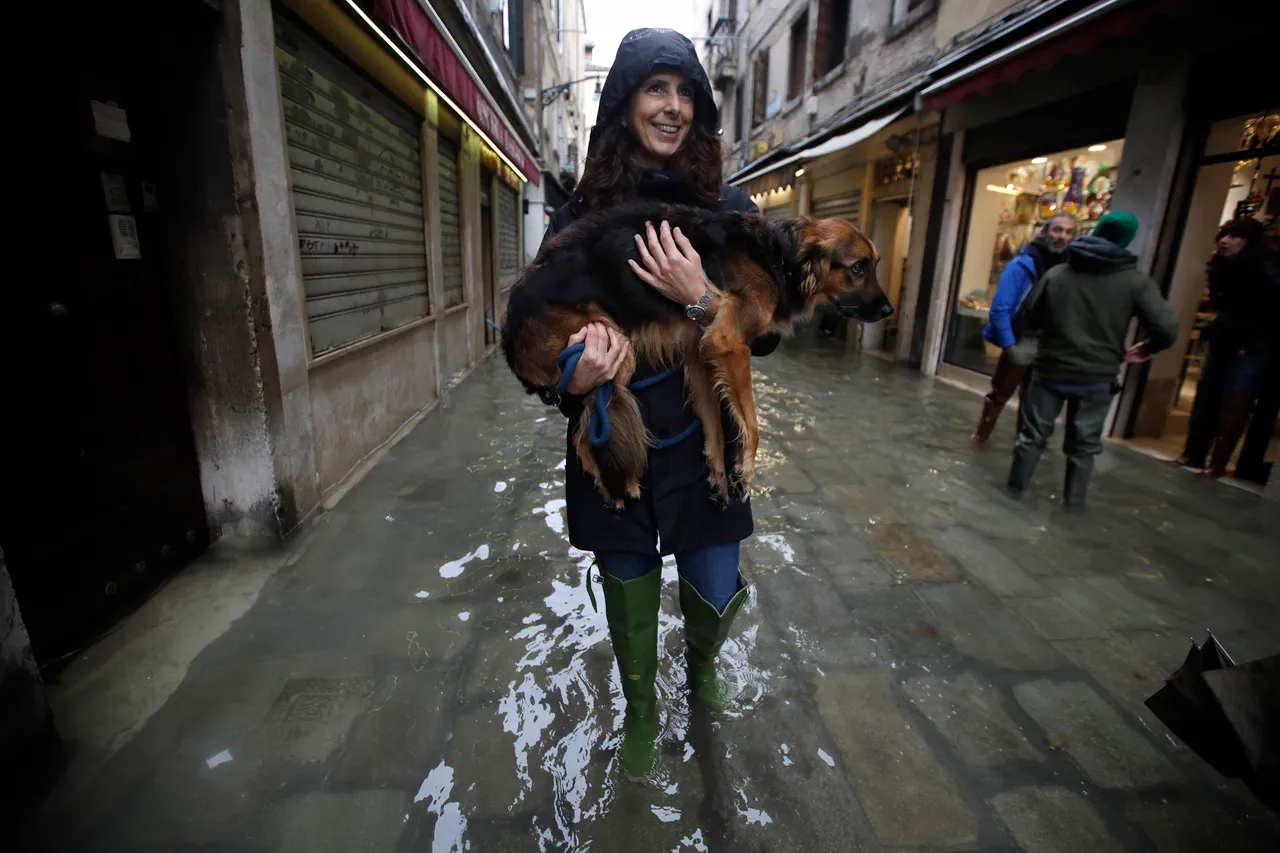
(611, 175)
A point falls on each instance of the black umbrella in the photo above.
(1228, 714)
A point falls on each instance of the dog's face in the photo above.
(842, 270)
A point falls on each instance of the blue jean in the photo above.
(712, 571)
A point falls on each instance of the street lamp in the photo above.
(550, 93)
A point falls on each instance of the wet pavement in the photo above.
(924, 664)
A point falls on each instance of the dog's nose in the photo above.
(886, 310)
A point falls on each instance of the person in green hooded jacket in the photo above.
(1080, 312)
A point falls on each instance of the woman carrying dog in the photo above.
(656, 136)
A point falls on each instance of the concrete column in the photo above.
(920, 209)
(29, 745)
(435, 256)
(469, 202)
(272, 236)
(804, 196)
(1152, 141)
(940, 300)
(1152, 144)
(238, 287)
(231, 225)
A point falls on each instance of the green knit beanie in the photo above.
(1118, 226)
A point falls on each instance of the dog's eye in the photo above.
(860, 267)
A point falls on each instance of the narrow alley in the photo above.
(924, 664)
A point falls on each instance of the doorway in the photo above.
(890, 226)
(1238, 176)
(102, 495)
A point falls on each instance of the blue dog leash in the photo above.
(600, 429)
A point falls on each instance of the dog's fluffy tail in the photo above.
(619, 464)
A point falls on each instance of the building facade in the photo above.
(295, 226)
(949, 130)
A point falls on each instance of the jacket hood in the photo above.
(640, 53)
(1097, 255)
(1042, 256)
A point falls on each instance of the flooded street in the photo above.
(923, 663)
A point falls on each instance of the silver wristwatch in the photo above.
(698, 310)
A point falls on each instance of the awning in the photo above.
(1107, 19)
(451, 72)
(832, 145)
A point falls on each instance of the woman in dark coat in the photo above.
(1244, 345)
(657, 136)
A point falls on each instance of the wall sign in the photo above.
(124, 237)
(115, 192)
(110, 121)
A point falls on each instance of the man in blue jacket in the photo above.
(1016, 281)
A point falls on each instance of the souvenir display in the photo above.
(1078, 183)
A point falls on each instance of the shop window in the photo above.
(759, 87)
(796, 58)
(1010, 204)
(831, 37)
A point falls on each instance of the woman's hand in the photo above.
(671, 266)
(603, 354)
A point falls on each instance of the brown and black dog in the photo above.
(767, 275)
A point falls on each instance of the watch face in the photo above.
(695, 312)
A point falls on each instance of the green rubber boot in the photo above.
(705, 631)
(631, 608)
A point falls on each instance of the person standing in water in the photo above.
(656, 137)
(1016, 280)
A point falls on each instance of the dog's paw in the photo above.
(633, 489)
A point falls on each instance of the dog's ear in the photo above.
(811, 253)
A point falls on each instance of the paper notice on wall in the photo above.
(115, 192)
(110, 121)
(124, 237)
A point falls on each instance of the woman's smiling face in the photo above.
(660, 116)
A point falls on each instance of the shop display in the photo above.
(1075, 184)
(1011, 204)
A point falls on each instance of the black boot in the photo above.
(1025, 459)
(1076, 485)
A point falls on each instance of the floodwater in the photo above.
(922, 663)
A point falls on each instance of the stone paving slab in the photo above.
(985, 632)
(1053, 820)
(1108, 749)
(909, 798)
(986, 564)
(912, 553)
(1054, 619)
(971, 715)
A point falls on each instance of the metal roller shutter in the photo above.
(779, 211)
(847, 206)
(450, 224)
(508, 235)
(356, 166)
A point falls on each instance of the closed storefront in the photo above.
(843, 206)
(508, 235)
(778, 211)
(451, 267)
(356, 174)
